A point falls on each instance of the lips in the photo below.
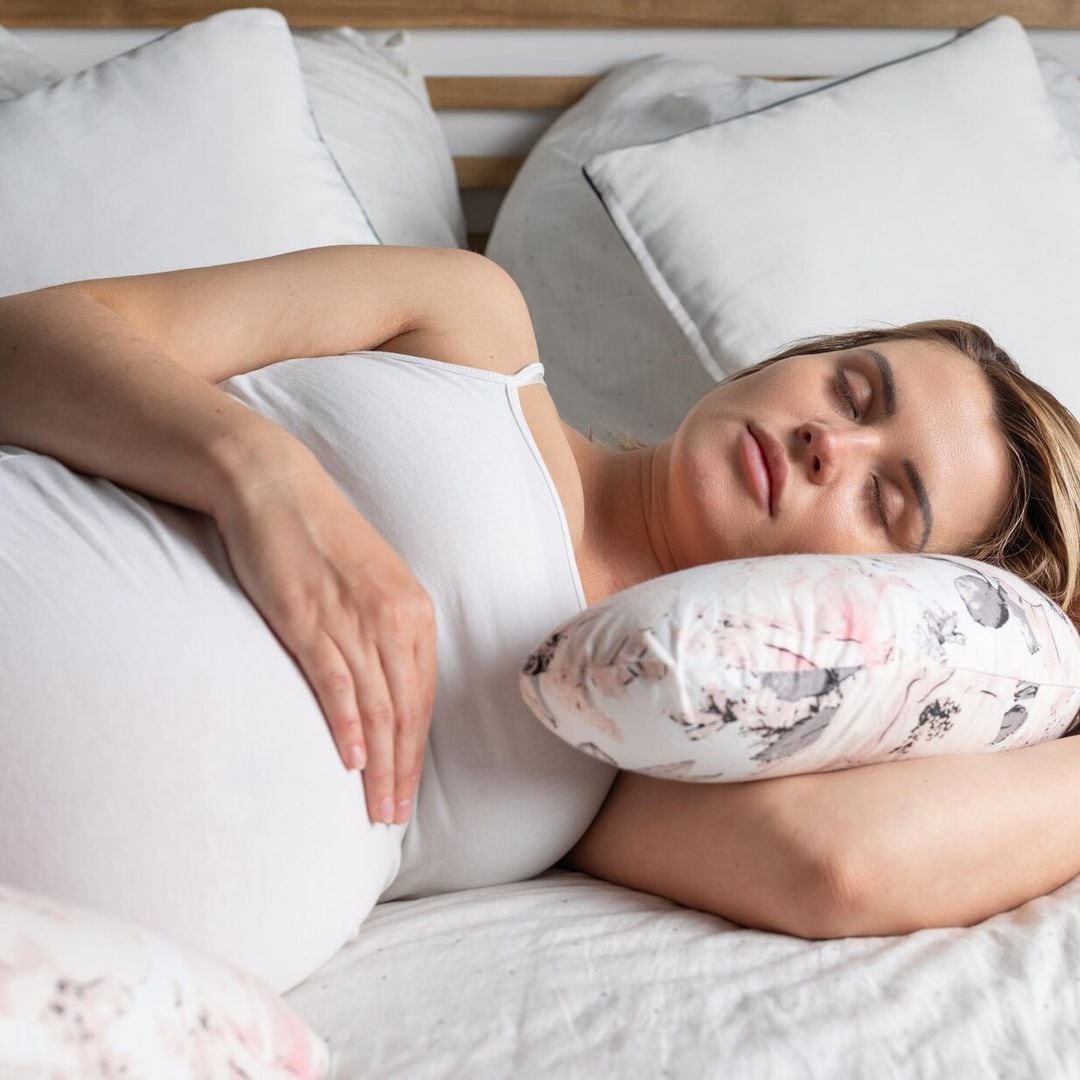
(776, 463)
(754, 468)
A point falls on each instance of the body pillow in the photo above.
(85, 995)
(788, 664)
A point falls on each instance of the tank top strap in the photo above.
(530, 373)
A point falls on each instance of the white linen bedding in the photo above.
(567, 976)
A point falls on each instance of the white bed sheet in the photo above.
(567, 976)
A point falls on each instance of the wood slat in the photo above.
(1064, 14)
(477, 241)
(507, 91)
(497, 171)
(523, 91)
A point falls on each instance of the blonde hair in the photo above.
(1038, 535)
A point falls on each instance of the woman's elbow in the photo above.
(856, 901)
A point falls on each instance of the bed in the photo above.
(564, 975)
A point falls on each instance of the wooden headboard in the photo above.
(552, 92)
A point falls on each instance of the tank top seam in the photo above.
(512, 383)
(560, 511)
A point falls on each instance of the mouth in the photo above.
(773, 462)
(754, 468)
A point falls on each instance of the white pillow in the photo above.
(21, 69)
(372, 109)
(785, 664)
(938, 186)
(612, 352)
(374, 112)
(196, 148)
(85, 995)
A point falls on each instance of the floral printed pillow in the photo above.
(84, 995)
(754, 668)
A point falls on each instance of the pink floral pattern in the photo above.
(788, 664)
(83, 995)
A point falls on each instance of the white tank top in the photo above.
(440, 459)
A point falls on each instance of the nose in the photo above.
(828, 446)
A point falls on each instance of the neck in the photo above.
(625, 493)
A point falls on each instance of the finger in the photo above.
(399, 666)
(378, 718)
(427, 674)
(332, 680)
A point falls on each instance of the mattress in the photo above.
(568, 976)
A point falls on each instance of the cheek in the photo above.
(832, 526)
(705, 498)
(707, 474)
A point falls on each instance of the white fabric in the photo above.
(196, 148)
(21, 69)
(165, 759)
(373, 109)
(439, 458)
(614, 354)
(755, 668)
(571, 977)
(938, 186)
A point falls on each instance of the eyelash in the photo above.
(843, 392)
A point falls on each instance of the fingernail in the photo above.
(357, 757)
(403, 809)
(386, 810)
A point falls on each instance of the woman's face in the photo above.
(907, 435)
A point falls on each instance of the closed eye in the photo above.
(873, 488)
(876, 510)
(843, 391)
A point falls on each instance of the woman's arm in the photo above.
(113, 376)
(875, 850)
(81, 384)
(733, 850)
(221, 321)
(946, 841)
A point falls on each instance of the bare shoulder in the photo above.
(491, 329)
(483, 322)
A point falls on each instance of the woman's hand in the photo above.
(350, 611)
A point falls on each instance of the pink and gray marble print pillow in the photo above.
(85, 995)
(787, 664)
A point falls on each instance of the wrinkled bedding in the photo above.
(565, 975)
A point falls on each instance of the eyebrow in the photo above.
(911, 470)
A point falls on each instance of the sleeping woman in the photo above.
(279, 535)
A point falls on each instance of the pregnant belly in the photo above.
(164, 756)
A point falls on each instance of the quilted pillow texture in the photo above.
(613, 353)
(937, 186)
(194, 149)
(84, 995)
(787, 664)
